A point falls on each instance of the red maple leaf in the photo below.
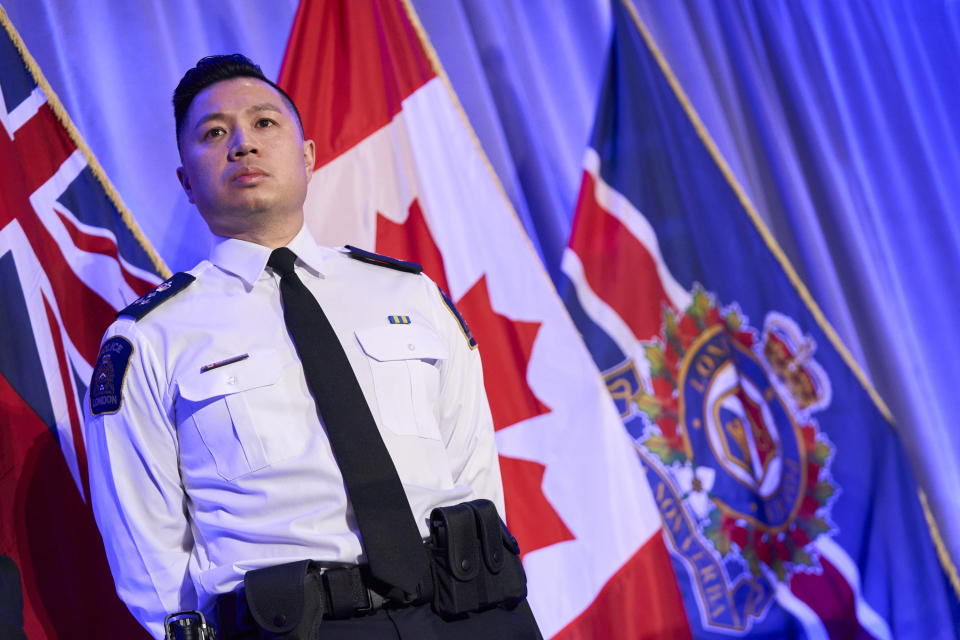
(530, 517)
(506, 345)
(412, 240)
(506, 354)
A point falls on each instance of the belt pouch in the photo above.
(476, 562)
(285, 601)
(503, 579)
(456, 555)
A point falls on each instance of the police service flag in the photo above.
(789, 506)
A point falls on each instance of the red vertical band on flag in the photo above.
(612, 256)
(345, 83)
(641, 600)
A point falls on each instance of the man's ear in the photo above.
(309, 156)
(185, 183)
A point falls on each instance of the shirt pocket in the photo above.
(404, 361)
(216, 401)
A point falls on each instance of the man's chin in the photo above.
(254, 206)
(248, 216)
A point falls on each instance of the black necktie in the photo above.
(395, 553)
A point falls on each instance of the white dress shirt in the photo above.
(201, 476)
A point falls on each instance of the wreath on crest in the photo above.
(783, 551)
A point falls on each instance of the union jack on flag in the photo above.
(70, 258)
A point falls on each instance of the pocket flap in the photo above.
(401, 342)
(259, 369)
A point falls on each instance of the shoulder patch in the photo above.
(164, 291)
(106, 384)
(456, 314)
(383, 261)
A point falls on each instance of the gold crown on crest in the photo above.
(790, 356)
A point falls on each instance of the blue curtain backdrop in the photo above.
(836, 118)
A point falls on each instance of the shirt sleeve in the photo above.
(465, 419)
(138, 500)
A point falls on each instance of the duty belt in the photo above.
(475, 565)
(343, 592)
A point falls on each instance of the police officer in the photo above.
(219, 481)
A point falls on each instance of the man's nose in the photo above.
(242, 144)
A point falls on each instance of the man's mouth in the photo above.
(248, 175)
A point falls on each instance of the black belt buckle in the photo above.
(369, 606)
(345, 592)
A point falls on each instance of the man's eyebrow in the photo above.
(216, 115)
(265, 106)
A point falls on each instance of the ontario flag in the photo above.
(70, 257)
(401, 173)
(789, 506)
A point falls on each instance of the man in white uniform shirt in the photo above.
(209, 457)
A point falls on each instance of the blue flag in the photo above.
(789, 505)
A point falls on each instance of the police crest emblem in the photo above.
(722, 416)
(106, 383)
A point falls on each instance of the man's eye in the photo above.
(265, 122)
(215, 132)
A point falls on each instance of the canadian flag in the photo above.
(401, 173)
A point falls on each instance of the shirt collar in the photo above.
(247, 260)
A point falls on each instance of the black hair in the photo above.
(213, 69)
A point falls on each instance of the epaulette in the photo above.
(382, 261)
(164, 291)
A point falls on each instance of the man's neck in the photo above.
(268, 238)
(272, 236)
